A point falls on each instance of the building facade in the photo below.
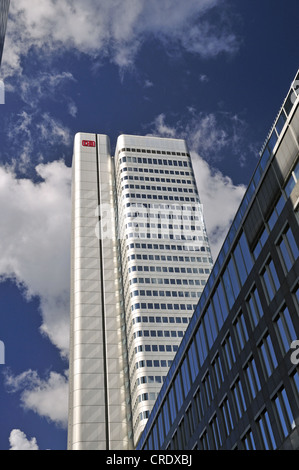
(4, 7)
(234, 382)
(140, 260)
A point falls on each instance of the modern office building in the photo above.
(234, 382)
(140, 260)
(4, 7)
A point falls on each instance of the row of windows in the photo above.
(157, 178)
(262, 436)
(153, 348)
(221, 425)
(184, 259)
(214, 378)
(160, 188)
(169, 247)
(150, 379)
(154, 280)
(163, 208)
(159, 197)
(291, 250)
(270, 224)
(166, 293)
(154, 161)
(160, 215)
(156, 348)
(168, 236)
(288, 188)
(155, 380)
(272, 140)
(158, 306)
(141, 399)
(164, 226)
(158, 319)
(158, 334)
(160, 171)
(153, 363)
(168, 269)
(162, 231)
(154, 151)
(179, 321)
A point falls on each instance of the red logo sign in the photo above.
(88, 143)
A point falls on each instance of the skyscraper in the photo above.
(4, 7)
(140, 260)
(234, 383)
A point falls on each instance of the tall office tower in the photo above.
(4, 7)
(234, 383)
(140, 259)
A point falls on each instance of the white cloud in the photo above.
(35, 240)
(220, 198)
(30, 133)
(203, 78)
(218, 194)
(51, 129)
(46, 397)
(18, 441)
(42, 85)
(72, 108)
(115, 29)
(209, 134)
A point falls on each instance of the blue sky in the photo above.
(214, 72)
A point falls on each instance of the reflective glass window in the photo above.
(222, 301)
(268, 356)
(193, 361)
(229, 353)
(233, 277)
(270, 278)
(155, 437)
(179, 391)
(161, 428)
(201, 344)
(241, 331)
(280, 122)
(218, 371)
(240, 264)
(284, 413)
(254, 307)
(285, 330)
(252, 378)
(199, 404)
(172, 405)
(227, 416)
(228, 288)
(216, 433)
(204, 441)
(272, 141)
(248, 441)
(239, 400)
(166, 417)
(185, 376)
(246, 253)
(266, 432)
